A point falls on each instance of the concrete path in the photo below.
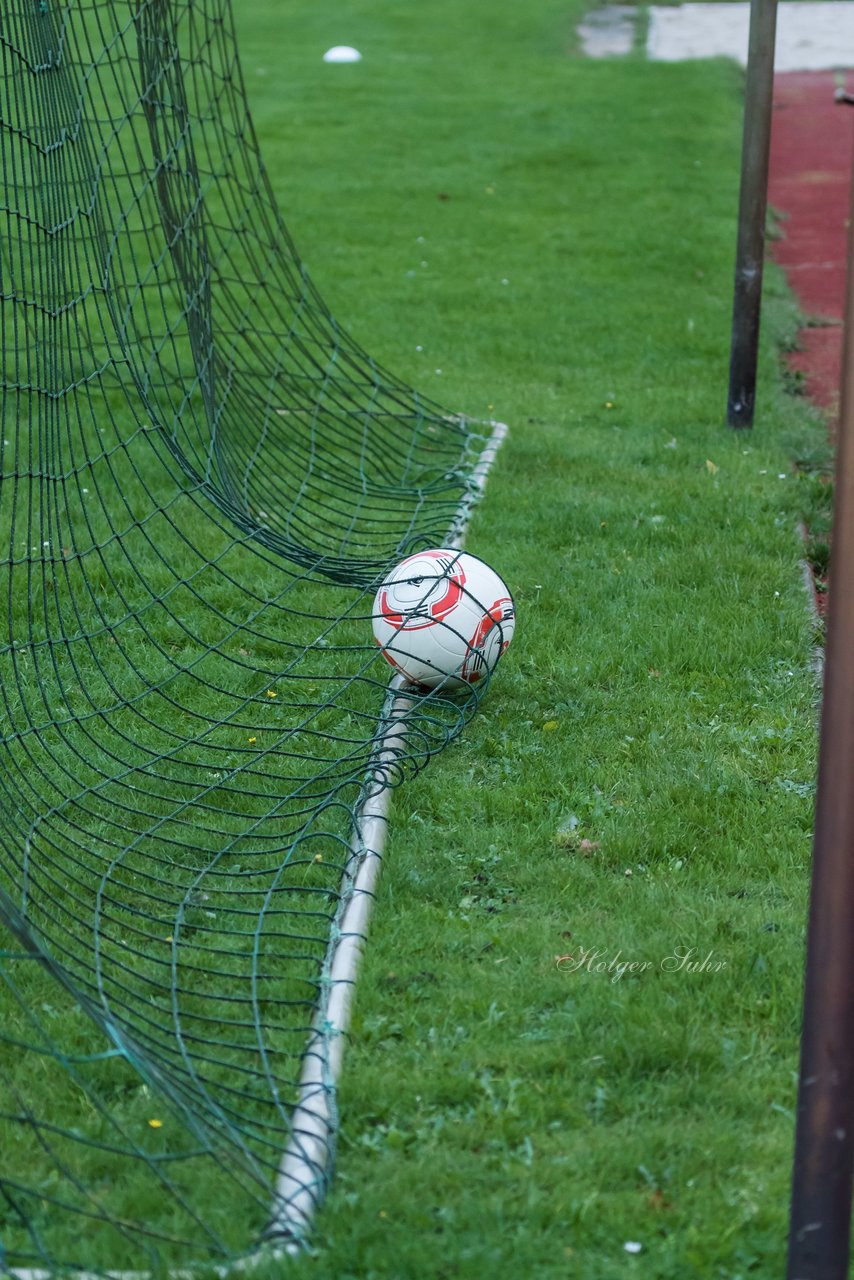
(812, 35)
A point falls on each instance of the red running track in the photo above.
(812, 146)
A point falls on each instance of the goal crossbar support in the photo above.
(303, 1172)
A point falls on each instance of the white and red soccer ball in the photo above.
(443, 617)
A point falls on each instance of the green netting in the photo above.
(203, 479)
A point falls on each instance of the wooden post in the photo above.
(753, 203)
(820, 1225)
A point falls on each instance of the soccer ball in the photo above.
(443, 617)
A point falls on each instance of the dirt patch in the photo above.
(812, 138)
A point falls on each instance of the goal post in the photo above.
(752, 213)
(823, 1174)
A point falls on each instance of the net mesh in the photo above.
(203, 479)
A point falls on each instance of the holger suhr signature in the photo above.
(616, 966)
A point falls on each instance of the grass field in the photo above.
(577, 1021)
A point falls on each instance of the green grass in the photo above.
(530, 237)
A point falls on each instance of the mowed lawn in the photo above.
(577, 1025)
(550, 242)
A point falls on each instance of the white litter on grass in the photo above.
(632, 1246)
(342, 53)
(812, 35)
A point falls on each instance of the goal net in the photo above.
(202, 479)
